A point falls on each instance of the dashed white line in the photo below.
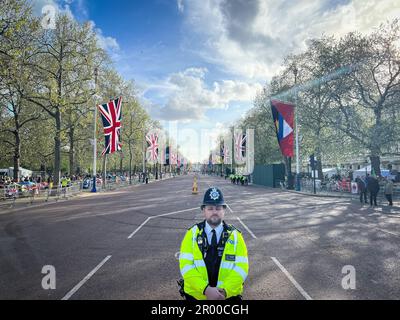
(160, 215)
(80, 284)
(247, 228)
(292, 280)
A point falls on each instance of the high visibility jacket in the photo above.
(233, 270)
(64, 182)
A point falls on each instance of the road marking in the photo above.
(90, 214)
(160, 215)
(393, 234)
(175, 212)
(247, 228)
(140, 227)
(242, 223)
(292, 280)
(80, 284)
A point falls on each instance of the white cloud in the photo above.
(106, 43)
(180, 5)
(250, 38)
(189, 97)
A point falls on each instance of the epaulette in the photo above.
(200, 225)
(231, 227)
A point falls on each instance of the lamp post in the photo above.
(295, 71)
(96, 73)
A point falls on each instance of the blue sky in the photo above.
(202, 62)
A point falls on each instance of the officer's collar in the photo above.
(218, 229)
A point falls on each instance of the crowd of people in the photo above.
(371, 186)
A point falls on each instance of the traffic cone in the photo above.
(195, 189)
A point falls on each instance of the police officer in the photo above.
(213, 258)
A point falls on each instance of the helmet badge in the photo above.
(214, 194)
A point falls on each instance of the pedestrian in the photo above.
(373, 189)
(389, 191)
(362, 189)
(213, 258)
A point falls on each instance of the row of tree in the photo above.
(347, 93)
(50, 81)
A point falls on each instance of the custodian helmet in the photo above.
(214, 197)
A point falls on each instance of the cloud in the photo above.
(250, 38)
(107, 43)
(189, 97)
(180, 6)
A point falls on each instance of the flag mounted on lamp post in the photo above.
(111, 115)
(228, 149)
(152, 151)
(283, 115)
(240, 147)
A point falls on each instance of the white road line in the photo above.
(90, 214)
(388, 232)
(140, 227)
(247, 228)
(160, 215)
(175, 212)
(80, 284)
(229, 208)
(288, 275)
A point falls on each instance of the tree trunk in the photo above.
(130, 164)
(57, 149)
(17, 156)
(71, 151)
(375, 164)
(17, 148)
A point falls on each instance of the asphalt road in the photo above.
(123, 244)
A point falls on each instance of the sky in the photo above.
(199, 64)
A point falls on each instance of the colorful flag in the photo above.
(152, 149)
(173, 156)
(228, 149)
(111, 115)
(249, 151)
(240, 147)
(283, 115)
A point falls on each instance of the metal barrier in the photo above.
(338, 189)
(31, 194)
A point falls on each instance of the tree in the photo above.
(365, 100)
(17, 31)
(64, 62)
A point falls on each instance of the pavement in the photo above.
(123, 244)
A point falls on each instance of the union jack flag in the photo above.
(152, 150)
(240, 146)
(173, 157)
(111, 116)
(227, 155)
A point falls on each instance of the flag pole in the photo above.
(144, 154)
(94, 134)
(297, 133)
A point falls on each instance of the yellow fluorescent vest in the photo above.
(233, 270)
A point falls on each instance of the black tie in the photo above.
(214, 239)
